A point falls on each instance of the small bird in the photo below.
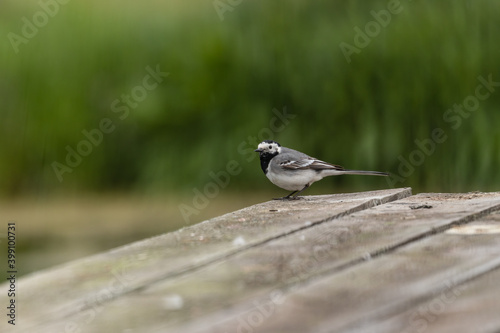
(295, 171)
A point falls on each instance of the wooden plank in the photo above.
(412, 278)
(350, 251)
(471, 306)
(407, 279)
(89, 283)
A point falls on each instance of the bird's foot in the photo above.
(288, 198)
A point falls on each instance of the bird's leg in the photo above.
(296, 195)
(285, 198)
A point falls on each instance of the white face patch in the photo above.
(270, 148)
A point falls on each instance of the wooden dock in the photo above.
(379, 261)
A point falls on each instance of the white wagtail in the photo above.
(295, 171)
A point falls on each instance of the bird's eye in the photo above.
(270, 147)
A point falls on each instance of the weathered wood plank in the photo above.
(416, 278)
(472, 306)
(354, 252)
(85, 286)
(361, 296)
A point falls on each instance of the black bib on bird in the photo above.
(265, 158)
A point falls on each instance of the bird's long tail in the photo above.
(362, 172)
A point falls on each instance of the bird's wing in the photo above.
(309, 163)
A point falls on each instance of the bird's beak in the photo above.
(258, 150)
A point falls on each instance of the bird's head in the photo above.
(268, 147)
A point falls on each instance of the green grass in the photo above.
(225, 79)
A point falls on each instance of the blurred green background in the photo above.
(233, 65)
